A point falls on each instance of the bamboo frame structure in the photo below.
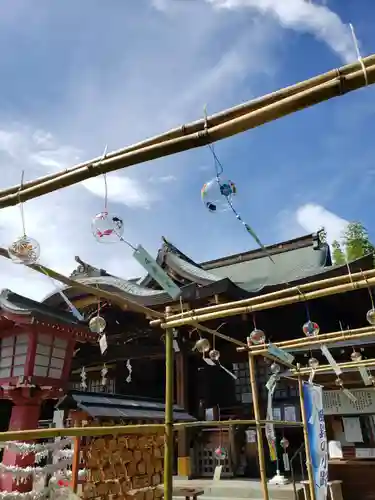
(326, 338)
(279, 294)
(262, 304)
(344, 82)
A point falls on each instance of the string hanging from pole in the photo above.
(24, 250)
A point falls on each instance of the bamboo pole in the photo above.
(327, 338)
(333, 88)
(168, 435)
(254, 392)
(114, 298)
(228, 423)
(303, 288)
(270, 304)
(213, 120)
(31, 435)
(310, 474)
(364, 363)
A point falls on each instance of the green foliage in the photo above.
(355, 244)
(338, 255)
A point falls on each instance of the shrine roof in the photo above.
(23, 306)
(104, 405)
(237, 276)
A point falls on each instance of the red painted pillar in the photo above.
(25, 415)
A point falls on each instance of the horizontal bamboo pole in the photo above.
(305, 287)
(226, 423)
(213, 120)
(364, 363)
(272, 304)
(286, 106)
(316, 341)
(325, 338)
(30, 435)
(114, 298)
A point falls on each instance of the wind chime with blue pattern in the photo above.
(217, 196)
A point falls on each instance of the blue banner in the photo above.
(316, 430)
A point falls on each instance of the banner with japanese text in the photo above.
(316, 430)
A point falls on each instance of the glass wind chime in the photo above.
(108, 228)
(210, 356)
(217, 196)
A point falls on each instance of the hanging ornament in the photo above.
(103, 373)
(356, 356)
(313, 363)
(130, 369)
(214, 354)
(83, 378)
(284, 443)
(275, 368)
(310, 328)
(97, 324)
(339, 382)
(216, 193)
(107, 228)
(202, 345)
(220, 453)
(256, 337)
(24, 250)
(370, 316)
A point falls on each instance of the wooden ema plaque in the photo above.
(129, 467)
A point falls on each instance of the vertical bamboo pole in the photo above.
(254, 391)
(168, 437)
(310, 474)
(75, 464)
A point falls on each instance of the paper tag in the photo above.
(350, 395)
(208, 361)
(228, 371)
(365, 375)
(335, 367)
(217, 472)
(154, 270)
(103, 343)
(286, 462)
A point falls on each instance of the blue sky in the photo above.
(77, 76)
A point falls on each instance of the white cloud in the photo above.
(312, 217)
(121, 189)
(60, 222)
(303, 16)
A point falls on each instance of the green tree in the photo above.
(338, 255)
(355, 244)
